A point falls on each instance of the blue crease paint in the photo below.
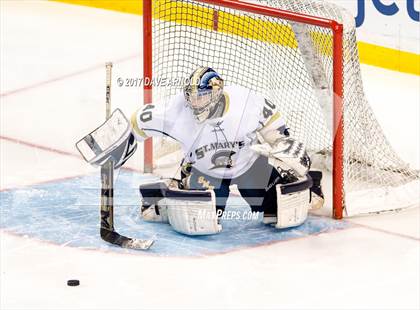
(66, 212)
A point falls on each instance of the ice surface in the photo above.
(52, 93)
(66, 213)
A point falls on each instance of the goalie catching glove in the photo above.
(287, 153)
(112, 140)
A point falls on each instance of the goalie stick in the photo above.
(107, 230)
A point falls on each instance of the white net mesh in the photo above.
(290, 64)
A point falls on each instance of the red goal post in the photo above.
(337, 49)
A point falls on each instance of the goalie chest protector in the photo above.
(217, 147)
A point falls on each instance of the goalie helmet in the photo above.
(203, 92)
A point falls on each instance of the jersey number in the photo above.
(268, 109)
(146, 115)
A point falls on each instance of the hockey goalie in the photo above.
(229, 136)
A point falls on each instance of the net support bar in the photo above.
(147, 75)
(338, 123)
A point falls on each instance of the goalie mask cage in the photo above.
(301, 55)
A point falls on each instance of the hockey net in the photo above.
(286, 50)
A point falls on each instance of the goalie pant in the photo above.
(257, 185)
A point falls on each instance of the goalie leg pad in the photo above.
(293, 202)
(152, 194)
(192, 212)
(317, 196)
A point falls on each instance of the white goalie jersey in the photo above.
(219, 147)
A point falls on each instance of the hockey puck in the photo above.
(73, 282)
